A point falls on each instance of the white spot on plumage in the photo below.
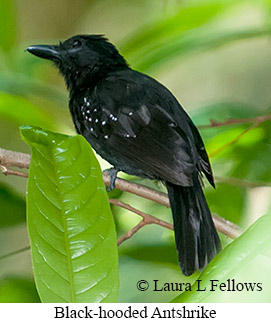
(113, 117)
(130, 113)
(106, 137)
(91, 129)
(89, 119)
(88, 104)
(103, 123)
(96, 120)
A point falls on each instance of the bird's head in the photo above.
(82, 58)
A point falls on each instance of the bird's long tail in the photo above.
(196, 238)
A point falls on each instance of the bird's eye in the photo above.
(76, 44)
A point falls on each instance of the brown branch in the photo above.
(131, 232)
(6, 171)
(147, 219)
(14, 158)
(138, 189)
(126, 186)
(240, 182)
(226, 227)
(214, 124)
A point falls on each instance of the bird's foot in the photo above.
(112, 172)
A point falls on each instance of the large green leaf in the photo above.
(244, 262)
(12, 207)
(71, 228)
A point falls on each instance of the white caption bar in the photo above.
(141, 312)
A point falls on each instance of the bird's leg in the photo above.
(112, 172)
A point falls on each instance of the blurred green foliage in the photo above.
(213, 54)
(12, 207)
(7, 23)
(18, 290)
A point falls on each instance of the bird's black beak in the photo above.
(45, 51)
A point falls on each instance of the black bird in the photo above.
(138, 126)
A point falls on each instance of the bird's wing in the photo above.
(204, 163)
(144, 133)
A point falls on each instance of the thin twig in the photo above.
(13, 253)
(138, 189)
(214, 124)
(14, 158)
(147, 219)
(226, 227)
(240, 182)
(6, 171)
(131, 232)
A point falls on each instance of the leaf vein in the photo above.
(49, 265)
(47, 218)
(47, 197)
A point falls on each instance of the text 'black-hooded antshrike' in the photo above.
(138, 126)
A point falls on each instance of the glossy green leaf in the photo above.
(7, 25)
(71, 228)
(12, 207)
(18, 290)
(245, 263)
